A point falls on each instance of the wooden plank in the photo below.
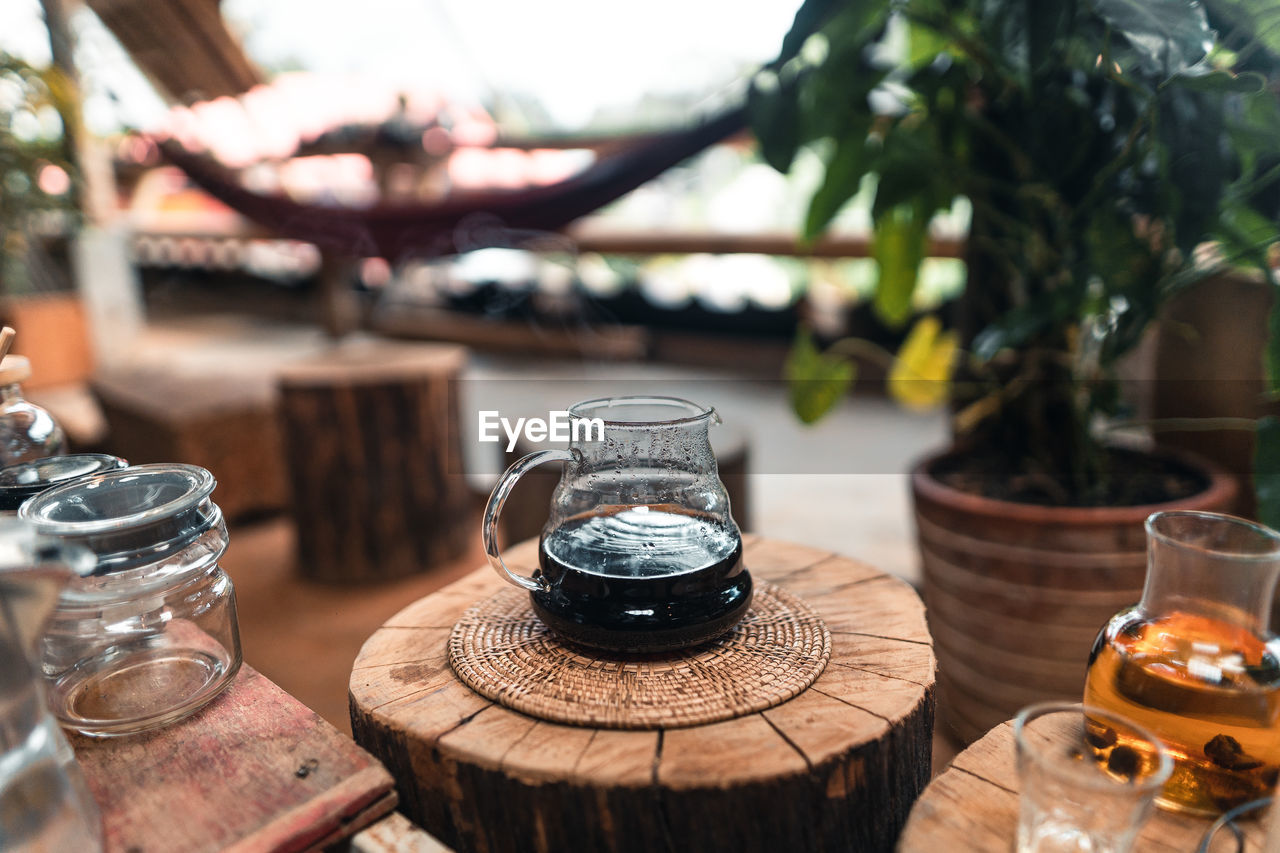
(620, 343)
(253, 770)
(591, 237)
(393, 834)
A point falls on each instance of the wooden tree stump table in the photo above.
(973, 805)
(835, 768)
(375, 460)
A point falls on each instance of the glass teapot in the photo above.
(640, 552)
(1195, 662)
(44, 801)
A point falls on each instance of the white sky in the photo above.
(574, 55)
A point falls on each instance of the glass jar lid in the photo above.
(132, 517)
(25, 479)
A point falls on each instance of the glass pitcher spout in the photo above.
(33, 571)
(1222, 567)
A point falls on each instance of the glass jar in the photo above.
(28, 479)
(26, 431)
(150, 635)
(1195, 662)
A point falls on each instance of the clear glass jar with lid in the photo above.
(25, 480)
(150, 635)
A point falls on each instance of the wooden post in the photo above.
(371, 441)
(835, 768)
(339, 308)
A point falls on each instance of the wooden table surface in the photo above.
(254, 770)
(973, 805)
(835, 768)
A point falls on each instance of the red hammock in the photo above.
(395, 231)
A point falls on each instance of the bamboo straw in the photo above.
(7, 335)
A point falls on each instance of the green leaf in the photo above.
(1266, 470)
(901, 237)
(924, 43)
(850, 161)
(775, 118)
(1192, 127)
(1019, 325)
(808, 20)
(817, 381)
(1047, 23)
(1167, 36)
(1258, 20)
(1272, 355)
(912, 169)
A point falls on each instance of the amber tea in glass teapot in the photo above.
(1194, 661)
(640, 552)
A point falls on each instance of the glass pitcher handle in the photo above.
(501, 492)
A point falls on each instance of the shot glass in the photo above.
(1089, 779)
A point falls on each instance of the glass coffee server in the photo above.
(1195, 661)
(640, 552)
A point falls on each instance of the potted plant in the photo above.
(38, 213)
(1101, 144)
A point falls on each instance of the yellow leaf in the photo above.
(921, 373)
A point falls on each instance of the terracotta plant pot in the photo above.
(53, 333)
(1016, 593)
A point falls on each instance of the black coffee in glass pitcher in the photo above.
(640, 552)
(642, 578)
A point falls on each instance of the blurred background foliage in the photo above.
(38, 192)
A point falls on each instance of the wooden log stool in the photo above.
(973, 805)
(225, 423)
(525, 511)
(835, 767)
(375, 460)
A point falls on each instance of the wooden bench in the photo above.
(252, 770)
(226, 423)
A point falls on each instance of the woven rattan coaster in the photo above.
(501, 650)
